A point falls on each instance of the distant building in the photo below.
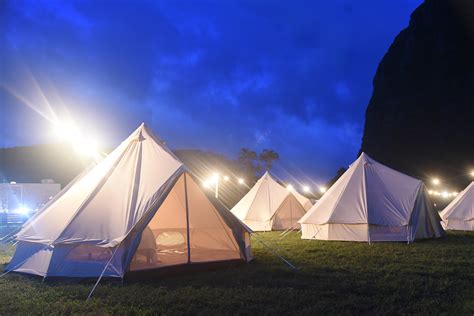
(26, 198)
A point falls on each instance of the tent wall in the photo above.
(389, 233)
(454, 224)
(353, 232)
(425, 221)
(86, 260)
(288, 214)
(32, 258)
(459, 214)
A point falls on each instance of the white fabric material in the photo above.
(304, 201)
(91, 210)
(368, 195)
(81, 231)
(459, 214)
(257, 209)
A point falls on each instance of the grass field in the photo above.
(428, 277)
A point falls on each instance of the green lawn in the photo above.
(428, 277)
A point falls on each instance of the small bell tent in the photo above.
(270, 206)
(459, 214)
(371, 202)
(137, 209)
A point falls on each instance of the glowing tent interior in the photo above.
(137, 209)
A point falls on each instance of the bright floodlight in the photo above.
(472, 173)
(67, 132)
(290, 187)
(215, 178)
(306, 188)
(241, 181)
(435, 181)
(23, 210)
(430, 192)
(226, 178)
(206, 184)
(445, 194)
(454, 193)
(88, 149)
(322, 189)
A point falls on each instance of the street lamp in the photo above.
(306, 189)
(241, 181)
(436, 181)
(289, 187)
(322, 189)
(226, 178)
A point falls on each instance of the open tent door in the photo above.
(211, 239)
(186, 228)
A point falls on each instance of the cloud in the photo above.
(217, 75)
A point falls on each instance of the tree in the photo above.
(248, 158)
(267, 157)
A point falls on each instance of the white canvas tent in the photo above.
(270, 206)
(137, 209)
(459, 214)
(371, 202)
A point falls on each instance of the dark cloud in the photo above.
(216, 75)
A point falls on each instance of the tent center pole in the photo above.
(187, 217)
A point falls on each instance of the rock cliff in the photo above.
(420, 118)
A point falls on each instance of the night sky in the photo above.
(294, 76)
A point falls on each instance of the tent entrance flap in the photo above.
(288, 214)
(164, 241)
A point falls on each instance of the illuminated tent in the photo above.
(137, 209)
(270, 206)
(371, 202)
(459, 214)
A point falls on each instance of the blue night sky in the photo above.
(294, 76)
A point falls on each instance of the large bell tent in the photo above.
(270, 206)
(137, 209)
(371, 202)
